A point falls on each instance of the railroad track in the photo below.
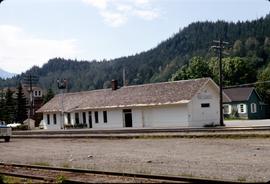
(69, 175)
(142, 130)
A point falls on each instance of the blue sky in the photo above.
(33, 31)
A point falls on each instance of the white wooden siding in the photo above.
(166, 116)
(200, 116)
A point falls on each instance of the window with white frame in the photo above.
(227, 109)
(242, 108)
(253, 107)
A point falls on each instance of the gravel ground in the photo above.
(230, 159)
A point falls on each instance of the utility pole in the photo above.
(62, 85)
(124, 76)
(219, 47)
(30, 80)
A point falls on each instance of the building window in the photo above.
(54, 119)
(253, 108)
(48, 119)
(105, 116)
(35, 93)
(90, 117)
(205, 105)
(77, 119)
(96, 116)
(242, 108)
(68, 119)
(227, 109)
(39, 93)
(84, 117)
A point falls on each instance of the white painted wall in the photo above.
(137, 117)
(52, 126)
(198, 116)
(114, 119)
(166, 116)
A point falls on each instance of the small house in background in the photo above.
(245, 103)
(186, 103)
(37, 98)
(30, 123)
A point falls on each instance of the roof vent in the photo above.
(114, 85)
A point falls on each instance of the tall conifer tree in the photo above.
(21, 106)
(9, 110)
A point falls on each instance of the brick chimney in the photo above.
(114, 85)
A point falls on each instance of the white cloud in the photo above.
(117, 12)
(146, 14)
(20, 51)
(114, 19)
(101, 4)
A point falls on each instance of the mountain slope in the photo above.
(159, 63)
(4, 74)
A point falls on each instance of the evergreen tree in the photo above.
(9, 110)
(21, 105)
(48, 96)
(2, 105)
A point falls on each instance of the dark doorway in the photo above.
(77, 119)
(127, 117)
(90, 119)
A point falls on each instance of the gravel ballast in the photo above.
(228, 159)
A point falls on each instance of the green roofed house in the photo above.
(245, 103)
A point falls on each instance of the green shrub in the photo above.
(21, 127)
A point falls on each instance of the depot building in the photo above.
(185, 103)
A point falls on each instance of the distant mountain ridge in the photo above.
(249, 39)
(4, 74)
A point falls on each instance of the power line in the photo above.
(248, 84)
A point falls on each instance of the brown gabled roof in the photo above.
(239, 94)
(129, 96)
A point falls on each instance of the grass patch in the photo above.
(189, 175)
(60, 179)
(41, 163)
(242, 179)
(65, 165)
(233, 118)
(10, 179)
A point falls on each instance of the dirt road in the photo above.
(231, 159)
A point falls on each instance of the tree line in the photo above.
(14, 106)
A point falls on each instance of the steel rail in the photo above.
(163, 178)
(40, 178)
(28, 176)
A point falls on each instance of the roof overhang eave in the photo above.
(131, 105)
(48, 111)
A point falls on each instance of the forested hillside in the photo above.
(247, 59)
